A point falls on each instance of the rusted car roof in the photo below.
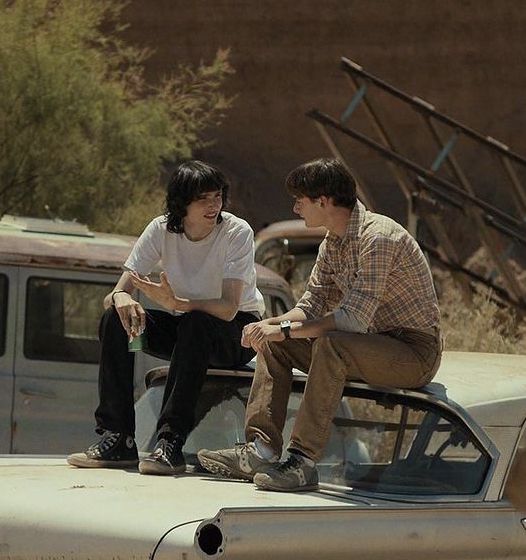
(28, 241)
(290, 228)
(100, 251)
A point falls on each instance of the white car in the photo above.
(437, 473)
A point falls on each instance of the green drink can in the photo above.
(136, 343)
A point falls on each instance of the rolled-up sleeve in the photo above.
(368, 288)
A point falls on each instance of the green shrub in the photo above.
(81, 132)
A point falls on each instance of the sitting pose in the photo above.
(369, 312)
(208, 290)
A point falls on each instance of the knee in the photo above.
(110, 320)
(323, 344)
(278, 351)
(194, 321)
(274, 348)
(325, 353)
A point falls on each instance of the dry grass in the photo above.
(482, 326)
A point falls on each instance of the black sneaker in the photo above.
(113, 450)
(167, 457)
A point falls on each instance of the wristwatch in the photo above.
(285, 328)
(114, 293)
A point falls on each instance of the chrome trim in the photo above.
(522, 434)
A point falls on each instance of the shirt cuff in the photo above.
(307, 309)
(346, 320)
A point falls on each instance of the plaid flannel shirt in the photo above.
(377, 273)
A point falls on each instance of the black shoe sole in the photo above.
(156, 468)
(80, 460)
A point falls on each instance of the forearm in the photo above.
(222, 308)
(256, 334)
(293, 314)
(312, 328)
(124, 284)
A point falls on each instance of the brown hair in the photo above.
(323, 177)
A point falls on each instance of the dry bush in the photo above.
(482, 326)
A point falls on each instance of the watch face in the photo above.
(285, 328)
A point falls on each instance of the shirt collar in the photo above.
(354, 225)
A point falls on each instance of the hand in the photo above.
(256, 334)
(161, 292)
(131, 314)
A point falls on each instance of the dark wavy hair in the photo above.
(323, 177)
(189, 180)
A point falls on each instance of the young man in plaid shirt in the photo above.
(369, 312)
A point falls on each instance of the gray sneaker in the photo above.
(241, 462)
(292, 475)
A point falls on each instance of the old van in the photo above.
(53, 278)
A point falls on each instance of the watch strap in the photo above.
(285, 328)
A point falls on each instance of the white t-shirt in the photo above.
(196, 269)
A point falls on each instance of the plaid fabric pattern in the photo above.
(377, 272)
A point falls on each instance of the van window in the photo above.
(62, 320)
(3, 312)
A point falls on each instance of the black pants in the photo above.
(192, 342)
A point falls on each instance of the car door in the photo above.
(8, 296)
(56, 358)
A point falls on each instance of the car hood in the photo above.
(49, 509)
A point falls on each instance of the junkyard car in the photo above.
(437, 473)
(289, 248)
(53, 278)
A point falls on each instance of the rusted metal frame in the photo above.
(515, 228)
(352, 68)
(445, 246)
(499, 258)
(400, 176)
(445, 151)
(490, 220)
(361, 189)
(448, 253)
(500, 292)
(435, 224)
(519, 193)
(452, 188)
(486, 237)
(355, 101)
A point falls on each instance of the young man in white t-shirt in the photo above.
(208, 289)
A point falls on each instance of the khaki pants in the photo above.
(402, 358)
